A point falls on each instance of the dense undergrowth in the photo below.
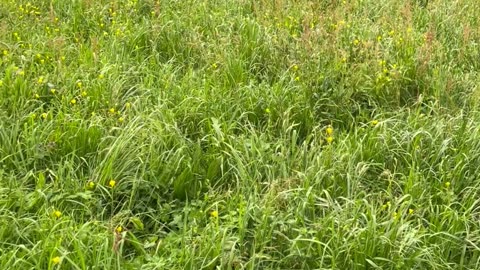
(239, 134)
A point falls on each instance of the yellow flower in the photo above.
(112, 183)
(40, 80)
(1, 83)
(73, 101)
(79, 84)
(395, 215)
(53, 90)
(84, 93)
(57, 214)
(56, 260)
(379, 38)
(42, 61)
(214, 65)
(297, 78)
(447, 184)
(295, 67)
(356, 42)
(119, 229)
(329, 130)
(128, 105)
(410, 211)
(5, 52)
(121, 119)
(44, 115)
(112, 110)
(21, 72)
(62, 58)
(91, 185)
(101, 76)
(344, 59)
(374, 122)
(329, 139)
(37, 96)
(214, 214)
(267, 110)
(391, 33)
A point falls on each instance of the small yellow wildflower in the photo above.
(53, 90)
(214, 66)
(56, 260)
(391, 33)
(73, 101)
(101, 76)
(91, 185)
(329, 130)
(267, 110)
(84, 93)
(79, 84)
(112, 183)
(62, 58)
(379, 38)
(395, 215)
(40, 80)
(121, 119)
(119, 229)
(42, 61)
(374, 122)
(37, 96)
(344, 59)
(112, 110)
(295, 68)
(447, 184)
(5, 52)
(21, 72)
(214, 214)
(329, 139)
(57, 214)
(356, 42)
(1, 83)
(44, 115)
(410, 211)
(128, 105)
(297, 78)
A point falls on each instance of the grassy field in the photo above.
(239, 134)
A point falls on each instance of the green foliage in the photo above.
(148, 134)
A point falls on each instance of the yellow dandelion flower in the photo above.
(395, 215)
(297, 78)
(214, 66)
(73, 101)
(112, 183)
(119, 229)
(214, 214)
(101, 76)
(56, 260)
(267, 110)
(329, 139)
(57, 214)
(410, 211)
(356, 42)
(295, 67)
(112, 110)
(79, 84)
(53, 90)
(121, 119)
(84, 93)
(329, 130)
(42, 61)
(379, 38)
(374, 122)
(391, 33)
(447, 184)
(40, 80)
(37, 96)
(44, 115)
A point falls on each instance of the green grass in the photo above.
(242, 134)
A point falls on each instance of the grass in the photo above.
(239, 134)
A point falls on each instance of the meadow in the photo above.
(239, 134)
